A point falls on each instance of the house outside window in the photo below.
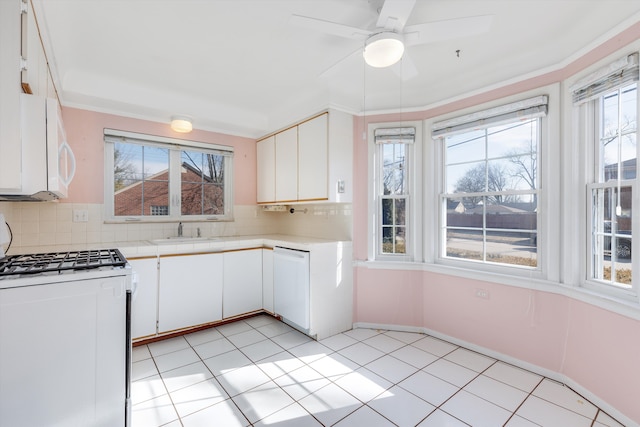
(153, 178)
(491, 185)
(607, 102)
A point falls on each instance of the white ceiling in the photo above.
(240, 67)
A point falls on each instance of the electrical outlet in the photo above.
(80, 215)
(482, 293)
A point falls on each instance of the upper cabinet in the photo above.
(36, 78)
(308, 162)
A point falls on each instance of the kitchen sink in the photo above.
(178, 239)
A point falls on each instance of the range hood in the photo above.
(47, 164)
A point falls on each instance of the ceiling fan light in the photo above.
(181, 124)
(383, 49)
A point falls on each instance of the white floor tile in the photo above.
(475, 411)
(176, 359)
(261, 320)
(361, 353)
(242, 379)
(214, 348)
(261, 350)
(441, 419)
(291, 339)
(203, 336)
(434, 346)
(451, 372)
(561, 395)
(518, 421)
(234, 328)
(392, 369)
(153, 413)
(334, 366)
(226, 362)
(401, 407)
(470, 359)
(384, 343)
(274, 329)
(310, 351)
(146, 389)
(603, 419)
(338, 342)
(514, 376)
(302, 382)
(330, 404)
(198, 396)
(496, 392)
(291, 416)
(167, 346)
(225, 413)
(364, 384)
(546, 413)
(279, 364)
(414, 356)
(245, 338)
(405, 337)
(361, 334)
(429, 388)
(262, 401)
(139, 353)
(364, 416)
(185, 376)
(143, 369)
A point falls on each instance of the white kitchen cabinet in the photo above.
(144, 307)
(266, 169)
(287, 165)
(190, 290)
(10, 149)
(242, 291)
(267, 279)
(312, 162)
(35, 75)
(312, 159)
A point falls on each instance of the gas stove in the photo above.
(59, 262)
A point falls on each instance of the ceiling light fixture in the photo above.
(181, 124)
(383, 49)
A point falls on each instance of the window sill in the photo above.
(623, 306)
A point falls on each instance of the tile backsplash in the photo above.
(35, 224)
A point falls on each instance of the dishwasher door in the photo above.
(291, 286)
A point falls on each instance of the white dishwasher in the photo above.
(291, 286)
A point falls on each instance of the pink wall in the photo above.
(591, 346)
(86, 138)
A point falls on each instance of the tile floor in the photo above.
(261, 372)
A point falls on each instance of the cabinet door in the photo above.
(287, 165)
(267, 279)
(144, 307)
(242, 282)
(266, 170)
(312, 159)
(190, 290)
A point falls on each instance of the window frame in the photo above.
(175, 147)
(413, 222)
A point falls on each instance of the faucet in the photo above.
(180, 229)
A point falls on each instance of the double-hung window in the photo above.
(491, 184)
(394, 190)
(607, 105)
(157, 178)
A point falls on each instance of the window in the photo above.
(491, 184)
(154, 178)
(392, 155)
(607, 105)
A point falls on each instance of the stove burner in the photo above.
(60, 261)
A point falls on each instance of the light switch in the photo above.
(340, 186)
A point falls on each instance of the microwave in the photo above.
(47, 163)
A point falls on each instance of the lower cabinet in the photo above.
(190, 290)
(144, 305)
(267, 280)
(242, 282)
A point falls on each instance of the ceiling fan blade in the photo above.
(394, 14)
(405, 68)
(450, 29)
(329, 27)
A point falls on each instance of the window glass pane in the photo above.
(393, 169)
(202, 188)
(512, 247)
(618, 134)
(141, 179)
(466, 178)
(466, 147)
(467, 244)
(512, 139)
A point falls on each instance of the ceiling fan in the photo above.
(385, 44)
